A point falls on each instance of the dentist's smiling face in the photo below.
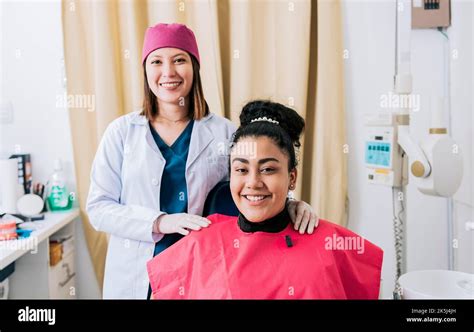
(169, 74)
(259, 178)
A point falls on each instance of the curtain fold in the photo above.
(325, 163)
(289, 52)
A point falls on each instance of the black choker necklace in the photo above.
(273, 225)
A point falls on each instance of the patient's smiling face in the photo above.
(259, 178)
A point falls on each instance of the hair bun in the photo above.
(289, 120)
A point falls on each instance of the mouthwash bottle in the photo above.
(59, 198)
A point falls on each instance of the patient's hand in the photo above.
(303, 216)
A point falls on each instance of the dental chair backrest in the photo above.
(220, 201)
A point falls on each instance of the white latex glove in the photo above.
(303, 216)
(179, 223)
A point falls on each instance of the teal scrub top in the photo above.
(173, 191)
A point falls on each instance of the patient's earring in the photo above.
(291, 195)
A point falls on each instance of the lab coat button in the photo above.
(148, 252)
(154, 182)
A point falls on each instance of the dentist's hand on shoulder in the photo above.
(303, 217)
(180, 223)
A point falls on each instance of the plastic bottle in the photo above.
(59, 198)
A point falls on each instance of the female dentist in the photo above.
(153, 169)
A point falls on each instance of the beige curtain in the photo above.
(287, 51)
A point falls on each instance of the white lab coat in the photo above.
(124, 195)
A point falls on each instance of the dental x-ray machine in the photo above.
(390, 152)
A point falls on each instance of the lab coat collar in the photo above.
(201, 136)
(138, 119)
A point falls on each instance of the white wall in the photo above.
(33, 81)
(369, 29)
(462, 89)
(32, 78)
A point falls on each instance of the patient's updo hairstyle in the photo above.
(258, 118)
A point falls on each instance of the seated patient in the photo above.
(258, 255)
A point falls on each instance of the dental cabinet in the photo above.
(39, 272)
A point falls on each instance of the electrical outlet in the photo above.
(427, 14)
(6, 112)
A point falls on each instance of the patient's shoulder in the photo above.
(220, 218)
(337, 234)
(329, 229)
(326, 226)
